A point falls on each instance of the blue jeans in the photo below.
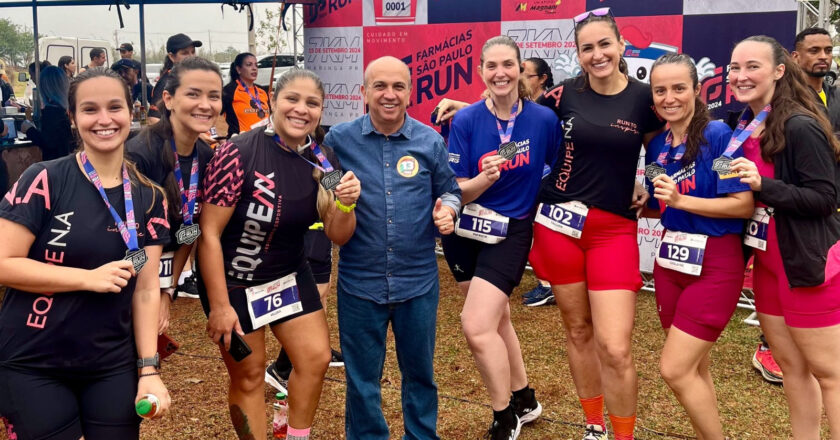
(362, 326)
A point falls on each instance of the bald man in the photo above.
(387, 273)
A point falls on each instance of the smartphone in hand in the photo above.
(238, 348)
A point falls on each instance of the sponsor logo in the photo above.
(546, 6)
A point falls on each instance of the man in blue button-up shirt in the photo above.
(387, 272)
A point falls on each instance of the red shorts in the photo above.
(606, 256)
(802, 307)
(702, 305)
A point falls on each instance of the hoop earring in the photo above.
(269, 128)
(303, 147)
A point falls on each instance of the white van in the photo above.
(284, 62)
(53, 48)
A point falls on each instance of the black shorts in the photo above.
(36, 405)
(310, 299)
(501, 264)
(318, 248)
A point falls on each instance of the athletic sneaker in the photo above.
(595, 432)
(763, 362)
(275, 379)
(189, 288)
(337, 359)
(542, 296)
(526, 408)
(532, 292)
(501, 431)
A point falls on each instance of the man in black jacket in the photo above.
(812, 51)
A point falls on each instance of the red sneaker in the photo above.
(763, 362)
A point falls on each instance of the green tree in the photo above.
(17, 45)
(226, 56)
(269, 36)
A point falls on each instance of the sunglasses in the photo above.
(600, 12)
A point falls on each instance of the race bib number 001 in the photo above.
(273, 300)
(682, 252)
(396, 8)
(482, 224)
(757, 228)
(566, 218)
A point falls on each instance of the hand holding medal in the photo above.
(349, 189)
(491, 167)
(666, 191)
(748, 172)
(110, 277)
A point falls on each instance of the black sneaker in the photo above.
(189, 288)
(527, 408)
(276, 380)
(501, 431)
(337, 359)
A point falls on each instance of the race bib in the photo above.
(396, 8)
(273, 300)
(165, 271)
(566, 218)
(757, 228)
(482, 224)
(682, 252)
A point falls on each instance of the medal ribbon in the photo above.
(505, 134)
(256, 99)
(127, 232)
(662, 160)
(188, 198)
(325, 166)
(743, 131)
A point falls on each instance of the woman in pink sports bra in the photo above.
(790, 163)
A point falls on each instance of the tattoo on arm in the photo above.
(240, 423)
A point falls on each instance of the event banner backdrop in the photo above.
(441, 41)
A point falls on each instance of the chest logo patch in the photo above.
(407, 166)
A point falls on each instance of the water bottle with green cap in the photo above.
(281, 409)
(148, 406)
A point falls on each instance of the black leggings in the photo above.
(39, 406)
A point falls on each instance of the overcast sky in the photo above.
(204, 22)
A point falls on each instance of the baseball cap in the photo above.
(125, 62)
(180, 41)
(126, 47)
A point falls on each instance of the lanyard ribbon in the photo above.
(505, 134)
(662, 160)
(325, 166)
(188, 198)
(129, 231)
(255, 99)
(743, 131)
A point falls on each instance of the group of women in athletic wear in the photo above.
(715, 188)
(83, 309)
(79, 319)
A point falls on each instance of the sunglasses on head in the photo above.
(600, 12)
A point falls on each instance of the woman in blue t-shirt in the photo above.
(699, 266)
(498, 148)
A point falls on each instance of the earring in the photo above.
(269, 128)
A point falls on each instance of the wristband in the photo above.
(343, 208)
(171, 292)
(156, 373)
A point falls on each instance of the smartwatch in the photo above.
(149, 362)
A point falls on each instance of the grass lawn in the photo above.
(750, 408)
